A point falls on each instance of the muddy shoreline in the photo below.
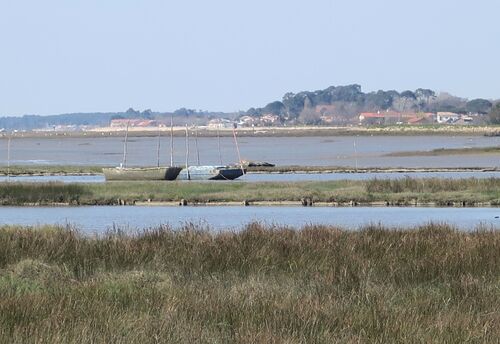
(91, 170)
(299, 131)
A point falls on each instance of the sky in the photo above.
(63, 56)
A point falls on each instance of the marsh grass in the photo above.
(40, 193)
(408, 190)
(431, 185)
(261, 285)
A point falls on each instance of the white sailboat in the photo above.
(211, 172)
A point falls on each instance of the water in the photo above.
(306, 151)
(99, 219)
(277, 177)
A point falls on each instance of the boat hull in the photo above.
(210, 173)
(229, 173)
(141, 173)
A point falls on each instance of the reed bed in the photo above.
(406, 191)
(261, 285)
(431, 185)
(40, 193)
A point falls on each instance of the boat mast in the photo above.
(158, 147)
(187, 153)
(171, 140)
(218, 142)
(124, 161)
(8, 156)
(196, 144)
(237, 148)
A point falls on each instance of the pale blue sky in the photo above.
(59, 56)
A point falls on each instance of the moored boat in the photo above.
(141, 173)
(210, 173)
(158, 172)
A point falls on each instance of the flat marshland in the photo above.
(448, 151)
(260, 285)
(406, 191)
(36, 170)
(277, 131)
(49, 170)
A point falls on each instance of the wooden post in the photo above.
(158, 148)
(171, 140)
(187, 153)
(124, 161)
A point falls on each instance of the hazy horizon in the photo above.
(93, 56)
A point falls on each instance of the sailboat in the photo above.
(158, 172)
(210, 172)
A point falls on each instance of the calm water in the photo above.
(277, 177)
(99, 219)
(349, 151)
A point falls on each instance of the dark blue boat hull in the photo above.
(229, 173)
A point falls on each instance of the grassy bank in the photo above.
(407, 191)
(344, 169)
(44, 170)
(40, 170)
(263, 285)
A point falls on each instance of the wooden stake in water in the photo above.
(196, 144)
(355, 156)
(158, 147)
(187, 153)
(171, 140)
(124, 161)
(8, 157)
(218, 142)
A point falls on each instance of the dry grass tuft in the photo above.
(261, 285)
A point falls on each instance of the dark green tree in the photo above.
(378, 100)
(482, 106)
(408, 95)
(275, 108)
(495, 114)
(294, 103)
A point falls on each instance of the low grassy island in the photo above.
(261, 285)
(401, 192)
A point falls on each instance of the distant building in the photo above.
(327, 119)
(391, 117)
(248, 121)
(269, 119)
(220, 123)
(372, 118)
(421, 118)
(122, 123)
(447, 117)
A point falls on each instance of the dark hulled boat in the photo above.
(210, 173)
(141, 173)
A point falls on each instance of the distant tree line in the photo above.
(349, 101)
(345, 101)
(30, 122)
